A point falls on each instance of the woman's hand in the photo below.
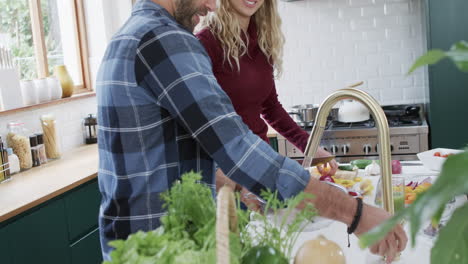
(329, 168)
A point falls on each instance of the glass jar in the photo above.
(41, 148)
(51, 140)
(14, 161)
(34, 151)
(18, 140)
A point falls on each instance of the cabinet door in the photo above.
(41, 236)
(448, 113)
(82, 208)
(87, 250)
(5, 256)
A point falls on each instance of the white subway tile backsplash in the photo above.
(361, 2)
(390, 70)
(379, 84)
(363, 24)
(367, 72)
(399, 33)
(397, 8)
(364, 48)
(349, 13)
(374, 35)
(332, 43)
(373, 11)
(403, 82)
(385, 21)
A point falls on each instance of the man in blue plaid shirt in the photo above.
(162, 113)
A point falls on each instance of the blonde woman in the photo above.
(245, 43)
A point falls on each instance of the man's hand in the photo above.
(333, 165)
(393, 243)
(337, 205)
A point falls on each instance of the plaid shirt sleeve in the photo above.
(172, 64)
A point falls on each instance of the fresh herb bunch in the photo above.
(187, 234)
(280, 223)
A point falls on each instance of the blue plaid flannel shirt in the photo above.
(161, 113)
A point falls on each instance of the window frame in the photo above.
(40, 49)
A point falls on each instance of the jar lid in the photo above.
(33, 140)
(9, 151)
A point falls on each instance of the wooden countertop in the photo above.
(38, 185)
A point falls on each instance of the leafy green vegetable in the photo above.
(458, 53)
(187, 234)
(284, 235)
(450, 183)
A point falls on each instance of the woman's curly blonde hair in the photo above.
(224, 25)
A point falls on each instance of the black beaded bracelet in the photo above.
(356, 219)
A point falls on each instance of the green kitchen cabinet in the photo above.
(63, 230)
(87, 250)
(41, 237)
(448, 87)
(82, 206)
(5, 256)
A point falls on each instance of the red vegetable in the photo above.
(437, 154)
(353, 193)
(396, 167)
(409, 184)
(327, 178)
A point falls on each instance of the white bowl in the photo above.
(433, 162)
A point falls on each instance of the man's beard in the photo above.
(184, 13)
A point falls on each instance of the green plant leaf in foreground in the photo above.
(430, 58)
(452, 244)
(450, 183)
(458, 53)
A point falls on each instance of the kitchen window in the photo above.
(41, 34)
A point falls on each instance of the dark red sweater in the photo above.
(252, 90)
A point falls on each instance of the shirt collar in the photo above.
(148, 5)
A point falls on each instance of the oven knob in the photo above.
(391, 148)
(367, 149)
(325, 148)
(334, 149)
(345, 149)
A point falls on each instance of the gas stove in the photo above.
(348, 141)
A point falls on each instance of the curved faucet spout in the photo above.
(383, 134)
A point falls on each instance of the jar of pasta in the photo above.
(18, 140)
(51, 140)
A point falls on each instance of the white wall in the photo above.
(332, 43)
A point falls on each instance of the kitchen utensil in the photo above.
(352, 111)
(307, 111)
(321, 160)
(10, 90)
(309, 161)
(295, 115)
